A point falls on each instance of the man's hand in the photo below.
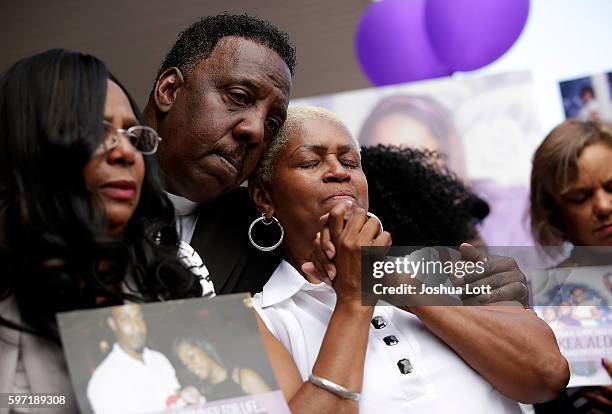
(601, 397)
(508, 283)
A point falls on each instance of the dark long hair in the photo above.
(54, 254)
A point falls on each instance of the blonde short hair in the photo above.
(296, 118)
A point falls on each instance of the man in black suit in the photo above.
(220, 94)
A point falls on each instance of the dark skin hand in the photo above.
(601, 397)
(508, 283)
(509, 346)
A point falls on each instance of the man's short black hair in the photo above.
(586, 89)
(200, 39)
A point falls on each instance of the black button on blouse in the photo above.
(404, 366)
(390, 340)
(378, 322)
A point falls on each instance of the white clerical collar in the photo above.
(285, 282)
(182, 206)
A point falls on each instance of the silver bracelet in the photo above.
(334, 388)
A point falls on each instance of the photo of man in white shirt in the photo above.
(132, 378)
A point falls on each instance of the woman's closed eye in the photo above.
(350, 163)
(309, 164)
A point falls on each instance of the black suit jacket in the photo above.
(220, 238)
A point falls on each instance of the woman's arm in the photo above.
(285, 371)
(341, 358)
(509, 346)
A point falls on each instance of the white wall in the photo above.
(563, 39)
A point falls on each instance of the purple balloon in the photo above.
(469, 34)
(392, 43)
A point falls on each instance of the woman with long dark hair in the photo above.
(83, 221)
(214, 379)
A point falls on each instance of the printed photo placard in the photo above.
(186, 356)
(588, 98)
(576, 304)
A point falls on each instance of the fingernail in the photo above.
(331, 273)
(349, 202)
(605, 361)
(329, 254)
(318, 234)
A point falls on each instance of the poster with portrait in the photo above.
(588, 98)
(185, 356)
(487, 128)
(576, 303)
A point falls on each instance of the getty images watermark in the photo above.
(450, 275)
(409, 275)
(415, 265)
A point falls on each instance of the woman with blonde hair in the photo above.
(332, 352)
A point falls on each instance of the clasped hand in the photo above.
(346, 228)
(337, 248)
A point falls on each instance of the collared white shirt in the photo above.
(297, 313)
(122, 384)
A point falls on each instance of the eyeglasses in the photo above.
(143, 138)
